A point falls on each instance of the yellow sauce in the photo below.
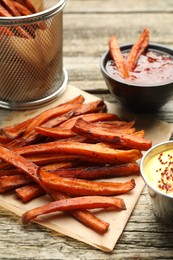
(159, 172)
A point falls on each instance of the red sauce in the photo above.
(152, 68)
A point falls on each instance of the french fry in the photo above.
(22, 9)
(9, 5)
(117, 57)
(92, 107)
(88, 129)
(55, 132)
(98, 151)
(84, 187)
(46, 159)
(12, 182)
(138, 48)
(70, 204)
(16, 130)
(116, 124)
(29, 192)
(60, 133)
(10, 172)
(6, 31)
(31, 136)
(93, 117)
(84, 216)
(30, 6)
(19, 30)
(27, 4)
(78, 99)
(60, 165)
(7, 134)
(48, 114)
(97, 172)
(71, 165)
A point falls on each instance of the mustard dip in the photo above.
(159, 172)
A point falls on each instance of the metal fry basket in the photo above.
(31, 57)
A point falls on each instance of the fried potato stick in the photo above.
(9, 5)
(93, 117)
(12, 182)
(84, 187)
(22, 9)
(138, 48)
(92, 151)
(88, 202)
(84, 216)
(29, 192)
(19, 30)
(8, 133)
(88, 129)
(88, 108)
(116, 124)
(97, 172)
(117, 57)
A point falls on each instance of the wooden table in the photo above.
(88, 24)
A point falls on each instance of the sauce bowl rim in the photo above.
(142, 163)
(152, 46)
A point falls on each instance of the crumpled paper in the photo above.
(158, 131)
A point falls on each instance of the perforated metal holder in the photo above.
(31, 58)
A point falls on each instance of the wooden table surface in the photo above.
(88, 24)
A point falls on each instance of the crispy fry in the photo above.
(97, 172)
(9, 5)
(97, 151)
(29, 192)
(69, 165)
(30, 135)
(73, 204)
(92, 107)
(22, 9)
(88, 129)
(78, 99)
(84, 216)
(93, 117)
(27, 4)
(30, 6)
(117, 57)
(59, 133)
(45, 159)
(10, 172)
(12, 182)
(19, 30)
(55, 132)
(8, 133)
(48, 114)
(138, 48)
(5, 31)
(84, 187)
(60, 165)
(116, 124)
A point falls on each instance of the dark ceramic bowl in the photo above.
(138, 97)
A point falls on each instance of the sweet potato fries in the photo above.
(16, 8)
(126, 66)
(37, 159)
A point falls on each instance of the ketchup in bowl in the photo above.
(152, 67)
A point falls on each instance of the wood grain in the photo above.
(87, 27)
